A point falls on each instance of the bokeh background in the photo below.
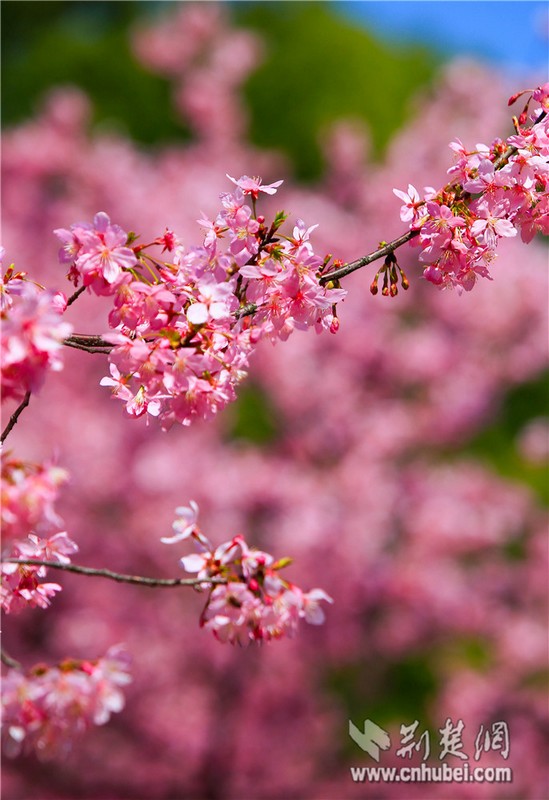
(402, 463)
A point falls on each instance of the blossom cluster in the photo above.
(48, 708)
(32, 334)
(29, 493)
(32, 532)
(493, 193)
(252, 603)
(183, 329)
(23, 584)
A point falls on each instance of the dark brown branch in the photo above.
(139, 580)
(89, 342)
(386, 250)
(15, 416)
(87, 349)
(76, 295)
(88, 339)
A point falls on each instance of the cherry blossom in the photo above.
(29, 493)
(346, 438)
(458, 233)
(183, 334)
(47, 709)
(97, 252)
(32, 338)
(22, 584)
(254, 603)
(253, 186)
(186, 525)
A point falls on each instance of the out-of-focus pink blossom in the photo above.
(32, 338)
(46, 710)
(29, 493)
(533, 441)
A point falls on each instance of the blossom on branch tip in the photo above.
(253, 186)
(494, 192)
(186, 525)
(253, 603)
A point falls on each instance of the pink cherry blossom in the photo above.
(512, 189)
(32, 340)
(412, 202)
(22, 584)
(180, 345)
(254, 603)
(29, 493)
(47, 709)
(98, 252)
(186, 524)
(253, 186)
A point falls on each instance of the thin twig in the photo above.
(139, 580)
(86, 348)
(346, 269)
(246, 310)
(89, 342)
(502, 159)
(9, 661)
(76, 295)
(15, 416)
(90, 339)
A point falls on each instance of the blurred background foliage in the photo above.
(48, 43)
(58, 42)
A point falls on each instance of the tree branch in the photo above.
(76, 295)
(87, 348)
(138, 580)
(15, 416)
(390, 247)
(90, 342)
(386, 250)
(95, 344)
(9, 661)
